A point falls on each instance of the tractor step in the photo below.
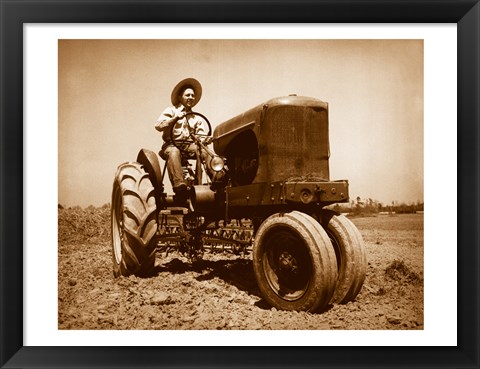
(174, 211)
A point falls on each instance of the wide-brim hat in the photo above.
(187, 82)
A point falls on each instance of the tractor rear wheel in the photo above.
(134, 221)
(294, 262)
(351, 256)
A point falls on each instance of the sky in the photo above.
(111, 92)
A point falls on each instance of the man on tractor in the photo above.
(178, 123)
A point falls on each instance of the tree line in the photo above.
(372, 206)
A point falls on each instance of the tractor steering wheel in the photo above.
(184, 143)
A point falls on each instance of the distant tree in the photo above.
(419, 206)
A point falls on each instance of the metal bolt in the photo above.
(272, 185)
(333, 190)
(292, 195)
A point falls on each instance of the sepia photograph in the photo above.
(241, 184)
(248, 184)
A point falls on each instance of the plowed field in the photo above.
(221, 292)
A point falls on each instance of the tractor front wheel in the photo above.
(294, 262)
(134, 221)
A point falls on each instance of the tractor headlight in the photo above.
(217, 163)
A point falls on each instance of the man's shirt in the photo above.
(180, 129)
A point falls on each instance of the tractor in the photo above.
(272, 204)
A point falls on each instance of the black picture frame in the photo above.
(14, 14)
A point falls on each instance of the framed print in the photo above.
(420, 100)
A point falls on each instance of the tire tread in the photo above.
(138, 211)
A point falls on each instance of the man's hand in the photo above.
(208, 140)
(179, 113)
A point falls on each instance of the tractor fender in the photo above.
(151, 164)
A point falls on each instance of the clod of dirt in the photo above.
(399, 271)
(394, 319)
(161, 298)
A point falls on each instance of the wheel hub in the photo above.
(287, 265)
(287, 262)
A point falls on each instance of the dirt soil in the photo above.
(221, 291)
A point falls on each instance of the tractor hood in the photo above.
(288, 137)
